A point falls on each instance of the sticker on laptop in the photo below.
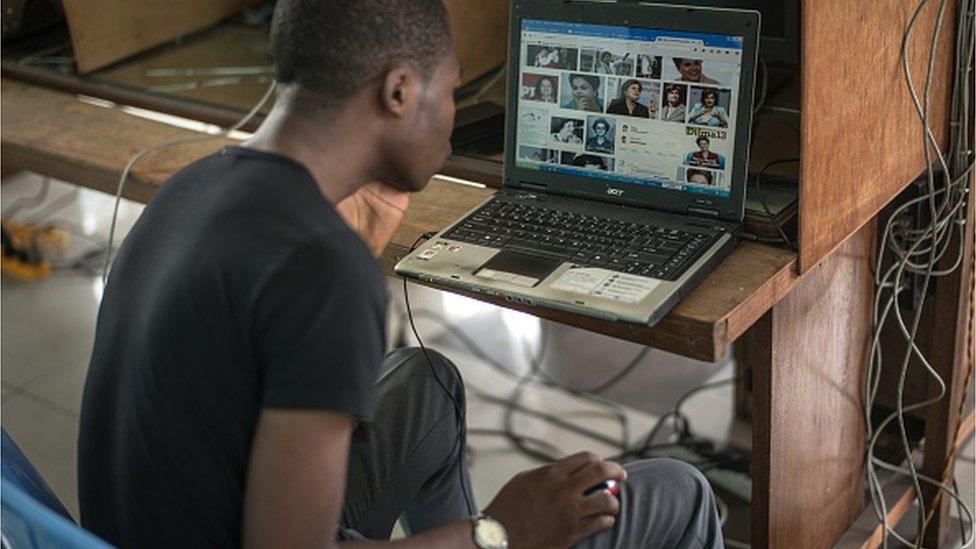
(513, 278)
(606, 284)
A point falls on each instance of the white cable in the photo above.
(916, 251)
(179, 141)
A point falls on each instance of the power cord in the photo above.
(458, 406)
(762, 199)
(179, 141)
(536, 374)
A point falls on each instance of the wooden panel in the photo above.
(861, 138)
(104, 31)
(226, 45)
(809, 360)
(53, 133)
(480, 34)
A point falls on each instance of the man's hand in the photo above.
(546, 507)
(375, 212)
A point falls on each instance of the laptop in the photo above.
(626, 151)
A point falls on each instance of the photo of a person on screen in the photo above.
(709, 112)
(589, 161)
(699, 177)
(627, 103)
(674, 103)
(567, 130)
(600, 139)
(703, 156)
(607, 65)
(585, 90)
(691, 70)
(545, 90)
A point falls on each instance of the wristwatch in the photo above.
(489, 533)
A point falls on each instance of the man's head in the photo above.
(393, 59)
(690, 69)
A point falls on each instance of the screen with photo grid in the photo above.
(629, 105)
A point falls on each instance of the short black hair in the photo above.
(702, 138)
(600, 122)
(333, 47)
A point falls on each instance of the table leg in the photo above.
(809, 360)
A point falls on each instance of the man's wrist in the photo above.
(488, 532)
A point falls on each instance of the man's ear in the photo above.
(400, 90)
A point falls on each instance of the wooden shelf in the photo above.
(57, 134)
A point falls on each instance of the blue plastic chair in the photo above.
(32, 516)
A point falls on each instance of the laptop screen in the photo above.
(629, 105)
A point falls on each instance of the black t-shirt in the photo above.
(239, 288)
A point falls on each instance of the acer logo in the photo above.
(615, 192)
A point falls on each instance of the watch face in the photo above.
(490, 534)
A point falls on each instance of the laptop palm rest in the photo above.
(518, 268)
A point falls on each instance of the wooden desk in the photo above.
(54, 133)
(805, 331)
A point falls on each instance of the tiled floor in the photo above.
(48, 328)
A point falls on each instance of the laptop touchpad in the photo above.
(517, 268)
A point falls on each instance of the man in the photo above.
(585, 91)
(232, 398)
(703, 156)
(691, 71)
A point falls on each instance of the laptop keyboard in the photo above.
(636, 248)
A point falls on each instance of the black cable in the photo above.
(538, 375)
(500, 433)
(545, 378)
(613, 380)
(962, 516)
(675, 412)
(461, 412)
(765, 205)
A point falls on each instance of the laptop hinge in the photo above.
(703, 212)
(541, 187)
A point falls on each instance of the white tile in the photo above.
(48, 437)
(8, 390)
(63, 388)
(46, 324)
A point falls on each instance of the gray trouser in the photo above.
(409, 463)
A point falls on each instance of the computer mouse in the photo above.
(611, 486)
